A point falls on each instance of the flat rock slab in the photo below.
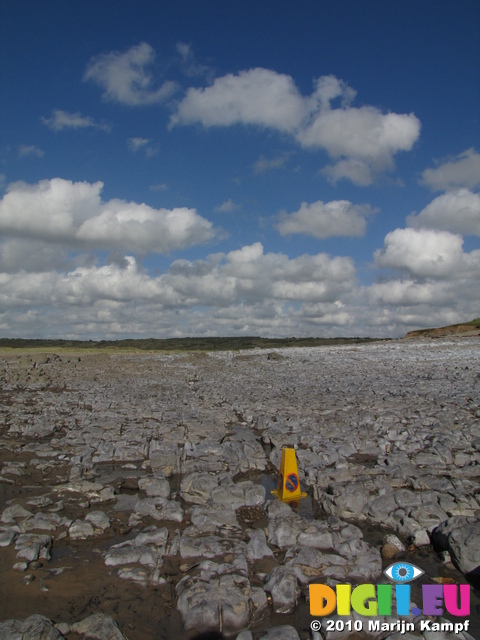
(460, 536)
(35, 627)
(219, 604)
(98, 627)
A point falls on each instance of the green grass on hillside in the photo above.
(175, 344)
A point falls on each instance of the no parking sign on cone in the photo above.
(288, 485)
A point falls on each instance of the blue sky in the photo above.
(254, 168)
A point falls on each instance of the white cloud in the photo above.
(263, 164)
(326, 219)
(456, 211)
(258, 96)
(408, 293)
(233, 292)
(363, 139)
(136, 144)
(424, 253)
(398, 306)
(227, 207)
(25, 254)
(63, 120)
(244, 292)
(31, 150)
(74, 213)
(125, 77)
(357, 171)
(361, 133)
(461, 171)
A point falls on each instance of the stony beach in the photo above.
(135, 488)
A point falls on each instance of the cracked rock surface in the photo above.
(135, 488)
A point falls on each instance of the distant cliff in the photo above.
(463, 329)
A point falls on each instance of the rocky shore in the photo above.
(135, 489)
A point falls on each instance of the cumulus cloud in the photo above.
(243, 288)
(125, 77)
(424, 253)
(456, 211)
(59, 210)
(357, 171)
(412, 303)
(326, 219)
(361, 133)
(258, 96)
(363, 140)
(461, 171)
(408, 292)
(60, 120)
(246, 291)
(250, 275)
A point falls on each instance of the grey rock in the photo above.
(238, 495)
(156, 486)
(98, 519)
(30, 546)
(316, 535)
(209, 547)
(394, 545)
(129, 553)
(152, 536)
(164, 457)
(160, 509)
(282, 585)
(80, 530)
(421, 538)
(308, 563)
(283, 532)
(220, 603)
(15, 512)
(460, 536)
(365, 560)
(257, 547)
(196, 488)
(428, 516)
(139, 575)
(7, 537)
(347, 501)
(213, 518)
(46, 522)
(35, 627)
(99, 626)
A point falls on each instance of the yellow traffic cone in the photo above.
(288, 486)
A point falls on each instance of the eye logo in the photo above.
(403, 572)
